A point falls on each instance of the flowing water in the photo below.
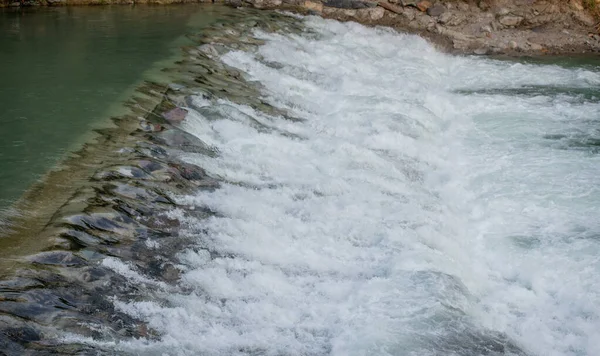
(360, 193)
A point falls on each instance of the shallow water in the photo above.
(64, 71)
(373, 197)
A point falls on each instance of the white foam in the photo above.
(398, 218)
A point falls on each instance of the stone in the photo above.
(436, 10)
(584, 18)
(423, 5)
(459, 43)
(390, 7)
(503, 11)
(483, 5)
(481, 51)
(347, 4)
(535, 46)
(431, 26)
(234, 3)
(409, 14)
(264, 4)
(376, 13)
(513, 45)
(15, 4)
(445, 18)
(181, 140)
(576, 4)
(58, 258)
(314, 6)
(175, 116)
(209, 50)
(509, 20)
(486, 28)
(457, 20)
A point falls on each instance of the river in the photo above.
(311, 187)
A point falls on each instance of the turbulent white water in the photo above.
(425, 205)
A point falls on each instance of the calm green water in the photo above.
(64, 70)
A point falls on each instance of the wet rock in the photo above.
(147, 126)
(23, 334)
(423, 5)
(113, 222)
(181, 140)
(209, 50)
(509, 20)
(150, 150)
(58, 258)
(147, 195)
(234, 3)
(121, 172)
(189, 171)
(19, 284)
(436, 10)
(175, 116)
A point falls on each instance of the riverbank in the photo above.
(485, 27)
(503, 27)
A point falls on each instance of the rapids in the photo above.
(421, 204)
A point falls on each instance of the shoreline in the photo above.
(511, 28)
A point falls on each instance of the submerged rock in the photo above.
(58, 258)
(181, 140)
(175, 116)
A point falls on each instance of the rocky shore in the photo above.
(483, 27)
